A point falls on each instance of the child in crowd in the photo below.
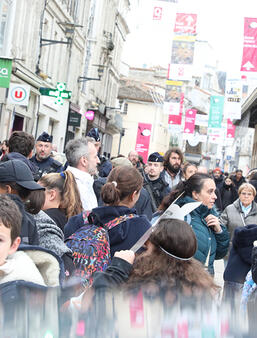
(17, 181)
(14, 265)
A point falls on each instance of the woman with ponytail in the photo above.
(118, 216)
(212, 237)
(62, 198)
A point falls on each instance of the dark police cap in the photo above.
(44, 137)
(155, 157)
(94, 133)
(17, 171)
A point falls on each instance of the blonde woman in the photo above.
(243, 211)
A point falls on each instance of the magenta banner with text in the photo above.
(231, 128)
(190, 121)
(249, 59)
(143, 139)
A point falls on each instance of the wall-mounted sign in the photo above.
(5, 72)
(74, 119)
(60, 93)
(18, 94)
(89, 115)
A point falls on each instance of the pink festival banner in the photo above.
(249, 59)
(190, 121)
(231, 128)
(143, 139)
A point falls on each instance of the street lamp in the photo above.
(100, 71)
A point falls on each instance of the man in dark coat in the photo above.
(218, 177)
(42, 158)
(154, 182)
(21, 145)
(238, 178)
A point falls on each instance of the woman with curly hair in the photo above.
(166, 264)
(62, 198)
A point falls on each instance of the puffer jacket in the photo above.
(207, 240)
(240, 258)
(233, 217)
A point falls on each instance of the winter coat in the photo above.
(123, 236)
(47, 165)
(57, 216)
(17, 156)
(233, 216)
(254, 264)
(51, 237)
(117, 273)
(228, 194)
(19, 266)
(219, 181)
(254, 183)
(207, 240)
(240, 257)
(29, 233)
(143, 205)
(159, 188)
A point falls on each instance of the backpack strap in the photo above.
(116, 221)
(85, 214)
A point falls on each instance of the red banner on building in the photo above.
(175, 119)
(143, 139)
(190, 121)
(249, 59)
(185, 23)
(231, 128)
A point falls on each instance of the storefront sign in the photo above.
(18, 94)
(5, 72)
(74, 119)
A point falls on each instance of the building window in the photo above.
(125, 109)
(4, 6)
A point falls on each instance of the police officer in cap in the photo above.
(154, 182)
(105, 165)
(42, 158)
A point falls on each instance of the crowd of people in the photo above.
(89, 211)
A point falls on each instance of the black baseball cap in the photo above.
(155, 157)
(18, 172)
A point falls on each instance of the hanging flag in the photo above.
(201, 120)
(182, 54)
(216, 111)
(173, 97)
(190, 121)
(233, 98)
(249, 59)
(157, 13)
(185, 24)
(143, 139)
(175, 119)
(231, 128)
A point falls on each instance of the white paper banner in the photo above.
(233, 98)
